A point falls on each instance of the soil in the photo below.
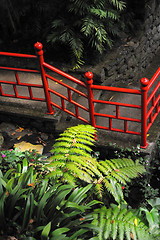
(12, 136)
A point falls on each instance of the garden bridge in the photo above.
(125, 115)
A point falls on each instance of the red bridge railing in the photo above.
(17, 83)
(82, 102)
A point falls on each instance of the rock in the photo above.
(44, 136)
(156, 37)
(122, 69)
(7, 127)
(154, 31)
(1, 140)
(24, 146)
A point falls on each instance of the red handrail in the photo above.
(116, 89)
(19, 69)
(87, 94)
(63, 74)
(154, 78)
(17, 55)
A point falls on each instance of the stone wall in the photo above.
(129, 61)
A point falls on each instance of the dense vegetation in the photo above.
(74, 194)
(73, 29)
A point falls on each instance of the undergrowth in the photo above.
(74, 194)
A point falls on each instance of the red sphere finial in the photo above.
(89, 75)
(144, 81)
(38, 46)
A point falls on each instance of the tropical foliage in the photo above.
(120, 223)
(87, 24)
(30, 206)
(56, 200)
(72, 161)
(79, 26)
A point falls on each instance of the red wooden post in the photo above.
(144, 84)
(89, 81)
(38, 49)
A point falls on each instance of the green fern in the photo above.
(120, 223)
(72, 161)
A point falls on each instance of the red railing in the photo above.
(18, 83)
(83, 103)
(150, 104)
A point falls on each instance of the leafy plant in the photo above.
(120, 223)
(147, 185)
(152, 216)
(32, 206)
(10, 158)
(72, 161)
(86, 23)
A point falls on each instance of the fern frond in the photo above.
(116, 190)
(122, 178)
(67, 134)
(133, 231)
(74, 158)
(79, 152)
(127, 231)
(72, 154)
(57, 157)
(89, 133)
(65, 139)
(111, 164)
(82, 146)
(108, 186)
(84, 129)
(121, 230)
(122, 213)
(92, 165)
(99, 190)
(106, 165)
(122, 169)
(60, 150)
(77, 172)
(117, 223)
(82, 163)
(111, 14)
(101, 222)
(79, 7)
(56, 164)
(69, 178)
(85, 140)
(118, 4)
(55, 174)
(62, 144)
(133, 171)
(102, 167)
(114, 229)
(99, 12)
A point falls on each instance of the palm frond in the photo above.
(104, 14)
(118, 4)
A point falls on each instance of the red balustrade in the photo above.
(65, 99)
(149, 113)
(118, 106)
